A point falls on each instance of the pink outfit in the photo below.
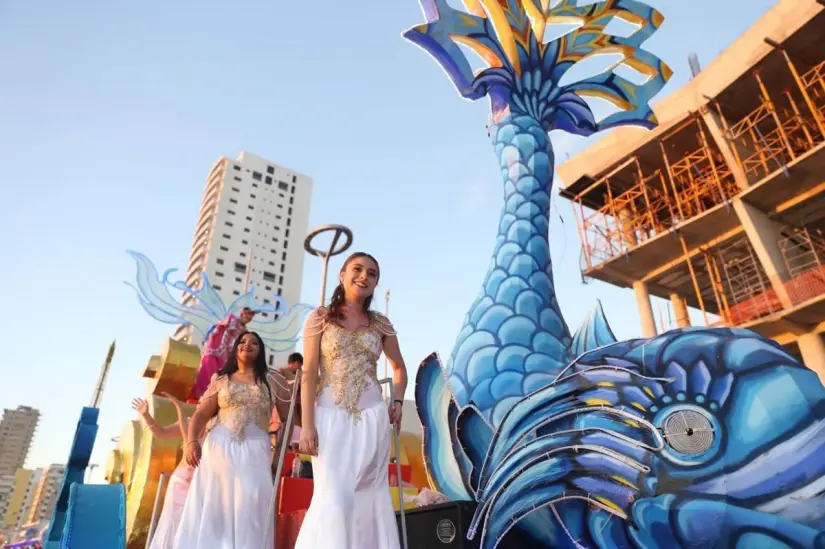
(216, 351)
(176, 491)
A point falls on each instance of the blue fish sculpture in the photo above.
(710, 438)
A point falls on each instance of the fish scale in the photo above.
(514, 338)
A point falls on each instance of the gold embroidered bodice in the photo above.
(239, 405)
(349, 360)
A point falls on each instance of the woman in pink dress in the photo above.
(178, 487)
(216, 350)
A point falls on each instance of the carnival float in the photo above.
(699, 437)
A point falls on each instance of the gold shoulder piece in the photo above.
(383, 324)
(316, 323)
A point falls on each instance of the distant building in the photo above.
(21, 497)
(45, 494)
(253, 221)
(6, 489)
(17, 430)
(721, 208)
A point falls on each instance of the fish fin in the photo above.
(594, 332)
(434, 401)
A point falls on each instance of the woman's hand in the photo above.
(396, 409)
(309, 440)
(192, 454)
(141, 406)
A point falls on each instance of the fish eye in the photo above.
(692, 435)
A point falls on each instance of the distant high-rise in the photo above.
(253, 221)
(45, 494)
(16, 434)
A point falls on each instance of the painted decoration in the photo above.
(280, 330)
(696, 438)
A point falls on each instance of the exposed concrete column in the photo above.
(813, 353)
(645, 309)
(717, 132)
(764, 236)
(680, 310)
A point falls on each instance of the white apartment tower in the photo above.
(16, 433)
(253, 221)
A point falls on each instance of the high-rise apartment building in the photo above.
(16, 433)
(45, 494)
(250, 232)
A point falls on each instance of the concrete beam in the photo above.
(680, 310)
(715, 127)
(812, 348)
(764, 236)
(645, 309)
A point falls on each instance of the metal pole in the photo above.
(272, 521)
(387, 314)
(324, 268)
(400, 481)
(97, 395)
(155, 510)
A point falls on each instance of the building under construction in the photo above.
(722, 207)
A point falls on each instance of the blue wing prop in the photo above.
(279, 333)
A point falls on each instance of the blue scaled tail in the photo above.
(514, 339)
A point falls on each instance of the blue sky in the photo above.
(112, 113)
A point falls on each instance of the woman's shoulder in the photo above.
(316, 322)
(382, 323)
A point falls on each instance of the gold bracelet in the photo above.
(193, 442)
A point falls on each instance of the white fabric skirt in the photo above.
(228, 500)
(173, 502)
(351, 506)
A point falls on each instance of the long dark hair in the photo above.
(259, 369)
(338, 298)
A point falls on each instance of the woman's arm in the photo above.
(309, 380)
(207, 407)
(182, 424)
(167, 431)
(399, 369)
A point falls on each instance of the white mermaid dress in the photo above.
(228, 499)
(351, 506)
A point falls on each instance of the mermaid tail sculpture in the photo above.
(514, 338)
(591, 452)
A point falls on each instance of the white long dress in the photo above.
(228, 499)
(351, 506)
(173, 502)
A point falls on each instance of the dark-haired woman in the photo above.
(346, 423)
(226, 505)
(219, 342)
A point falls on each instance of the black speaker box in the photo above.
(444, 526)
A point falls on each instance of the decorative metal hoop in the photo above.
(330, 252)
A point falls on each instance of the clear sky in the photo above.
(112, 113)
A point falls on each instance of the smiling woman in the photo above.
(233, 476)
(346, 425)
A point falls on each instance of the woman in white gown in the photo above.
(227, 505)
(345, 423)
(167, 526)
